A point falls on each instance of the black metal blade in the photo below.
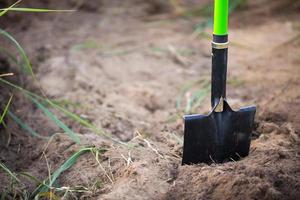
(218, 136)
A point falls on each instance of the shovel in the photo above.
(223, 134)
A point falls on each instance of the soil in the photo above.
(123, 64)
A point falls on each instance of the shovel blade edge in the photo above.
(217, 137)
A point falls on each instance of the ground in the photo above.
(124, 66)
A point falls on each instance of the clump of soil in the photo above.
(270, 172)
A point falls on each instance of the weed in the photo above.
(67, 130)
(63, 110)
(89, 44)
(5, 10)
(48, 188)
(5, 109)
(19, 9)
(10, 173)
(48, 184)
(193, 98)
(27, 65)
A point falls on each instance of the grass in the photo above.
(46, 188)
(33, 10)
(27, 65)
(55, 119)
(5, 10)
(190, 98)
(179, 51)
(48, 183)
(10, 173)
(88, 44)
(5, 109)
(32, 96)
(49, 188)
(13, 7)
(24, 126)
(193, 94)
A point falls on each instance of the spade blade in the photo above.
(219, 136)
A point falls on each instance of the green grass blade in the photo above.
(24, 126)
(198, 98)
(84, 122)
(3, 195)
(69, 163)
(31, 177)
(71, 115)
(77, 118)
(33, 10)
(65, 166)
(10, 56)
(58, 107)
(4, 10)
(27, 64)
(54, 118)
(6, 109)
(185, 88)
(195, 101)
(66, 103)
(10, 173)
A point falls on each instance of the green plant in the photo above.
(26, 66)
(42, 103)
(10, 173)
(19, 9)
(48, 188)
(5, 109)
(47, 184)
(191, 98)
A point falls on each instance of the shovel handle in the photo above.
(221, 17)
(219, 53)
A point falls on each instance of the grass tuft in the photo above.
(24, 126)
(13, 8)
(193, 99)
(10, 173)
(54, 118)
(48, 183)
(65, 111)
(27, 65)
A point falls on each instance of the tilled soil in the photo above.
(124, 66)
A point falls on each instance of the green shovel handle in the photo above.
(221, 17)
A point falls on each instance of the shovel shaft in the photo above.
(219, 52)
(219, 73)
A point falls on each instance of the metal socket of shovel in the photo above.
(223, 134)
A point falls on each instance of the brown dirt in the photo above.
(118, 63)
